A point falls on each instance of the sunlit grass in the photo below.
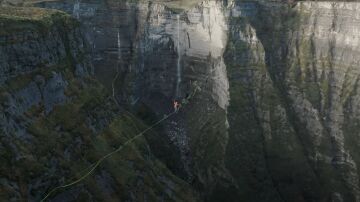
(181, 4)
(26, 13)
(20, 19)
(32, 2)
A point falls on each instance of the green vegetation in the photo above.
(76, 134)
(66, 125)
(20, 19)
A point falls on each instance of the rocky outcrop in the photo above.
(22, 51)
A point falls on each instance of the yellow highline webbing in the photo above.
(92, 168)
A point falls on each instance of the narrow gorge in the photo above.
(269, 93)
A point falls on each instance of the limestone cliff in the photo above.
(57, 120)
(275, 116)
(297, 79)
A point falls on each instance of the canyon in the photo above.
(269, 92)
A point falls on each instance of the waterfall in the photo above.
(76, 10)
(117, 66)
(178, 73)
(118, 46)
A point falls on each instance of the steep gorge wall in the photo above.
(57, 120)
(166, 54)
(294, 71)
(276, 115)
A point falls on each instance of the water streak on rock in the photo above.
(178, 69)
(76, 10)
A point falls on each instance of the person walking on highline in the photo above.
(176, 106)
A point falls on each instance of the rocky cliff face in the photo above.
(56, 120)
(295, 70)
(272, 113)
(166, 54)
